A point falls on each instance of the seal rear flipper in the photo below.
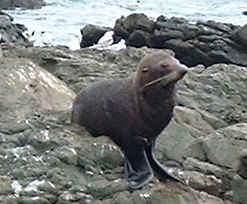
(160, 171)
(137, 169)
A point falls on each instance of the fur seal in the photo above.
(133, 112)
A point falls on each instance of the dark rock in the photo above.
(240, 36)
(204, 43)
(137, 21)
(91, 34)
(12, 33)
(221, 27)
(161, 18)
(138, 38)
(160, 36)
(125, 26)
(5, 14)
(28, 4)
(201, 43)
(242, 165)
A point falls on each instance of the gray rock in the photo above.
(10, 32)
(239, 190)
(5, 185)
(28, 90)
(28, 4)
(47, 159)
(91, 35)
(125, 26)
(101, 189)
(219, 90)
(33, 200)
(232, 141)
(240, 36)
(242, 166)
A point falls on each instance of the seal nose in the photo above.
(182, 70)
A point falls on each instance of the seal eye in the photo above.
(145, 69)
(164, 65)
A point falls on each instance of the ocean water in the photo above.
(61, 20)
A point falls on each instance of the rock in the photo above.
(207, 42)
(91, 35)
(28, 90)
(5, 185)
(163, 194)
(101, 189)
(67, 155)
(28, 4)
(222, 91)
(239, 190)
(33, 200)
(240, 36)
(232, 142)
(242, 165)
(207, 183)
(12, 33)
(137, 38)
(92, 64)
(125, 26)
(220, 162)
(47, 159)
(1, 52)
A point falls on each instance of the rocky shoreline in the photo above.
(204, 43)
(46, 160)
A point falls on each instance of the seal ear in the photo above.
(145, 69)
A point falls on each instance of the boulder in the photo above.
(242, 165)
(10, 32)
(26, 91)
(125, 26)
(204, 43)
(240, 36)
(91, 35)
(28, 4)
(216, 92)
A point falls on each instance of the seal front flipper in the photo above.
(137, 169)
(160, 171)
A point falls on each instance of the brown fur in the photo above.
(133, 108)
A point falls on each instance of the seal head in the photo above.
(159, 68)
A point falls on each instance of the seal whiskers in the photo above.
(163, 80)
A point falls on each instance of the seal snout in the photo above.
(181, 70)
